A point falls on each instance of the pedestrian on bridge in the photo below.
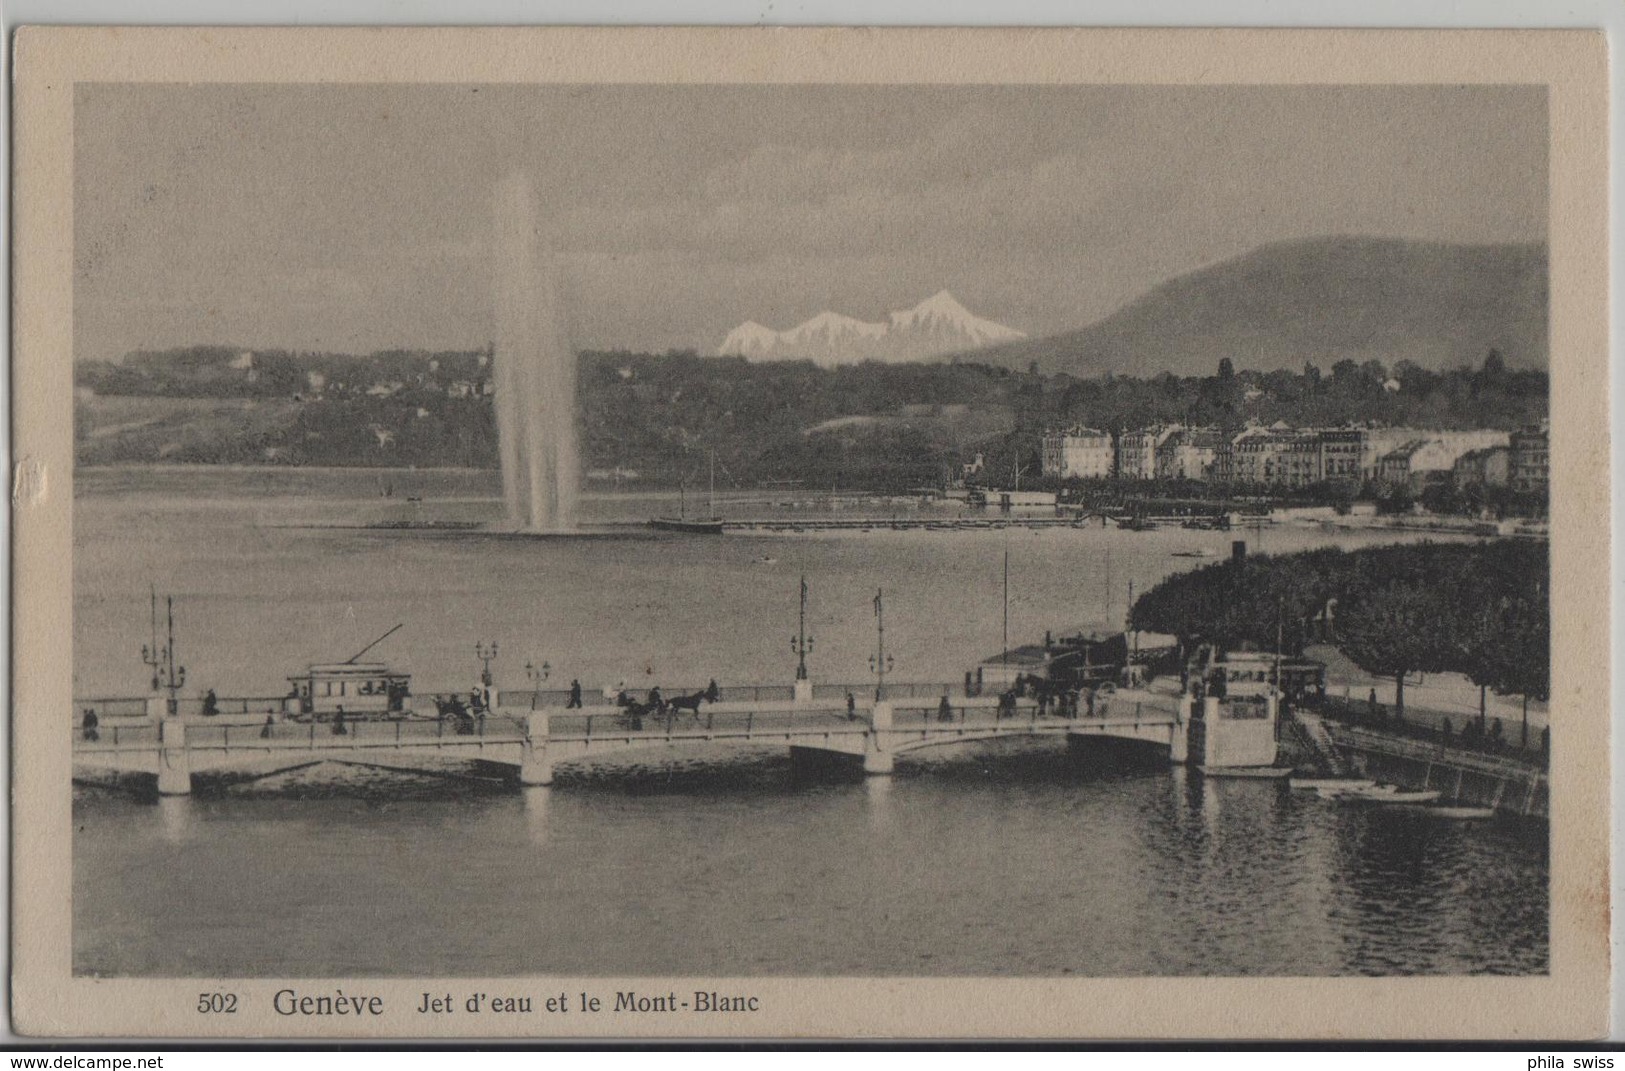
(945, 711)
(712, 692)
(265, 730)
(339, 728)
(851, 707)
(575, 696)
(90, 723)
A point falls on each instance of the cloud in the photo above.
(299, 212)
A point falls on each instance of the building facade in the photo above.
(1078, 452)
(1530, 460)
(1341, 454)
(1187, 454)
(1431, 457)
(1137, 451)
(1488, 467)
(1280, 456)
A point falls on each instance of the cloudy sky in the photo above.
(359, 218)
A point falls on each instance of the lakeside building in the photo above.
(1341, 454)
(1530, 462)
(1077, 452)
(1137, 451)
(1490, 466)
(1294, 458)
(1188, 454)
(1432, 456)
(1277, 455)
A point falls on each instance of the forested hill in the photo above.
(1325, 299)
(659, 416)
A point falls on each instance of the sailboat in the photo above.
(711, 525)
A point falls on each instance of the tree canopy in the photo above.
(1480, 609)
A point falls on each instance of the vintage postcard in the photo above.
(810, 533)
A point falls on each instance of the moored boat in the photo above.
(1381, 793)
(1447, 810)
(1330, 786)
(693, 526)
(1254, 772)
(711, 525)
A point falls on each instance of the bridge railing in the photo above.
(405, 731)
(892, 690)
(550, 698)
(110, 735)
(112, 707)
(276, 704)
(186, 706)
(707, 720)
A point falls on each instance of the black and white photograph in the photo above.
(758, 531)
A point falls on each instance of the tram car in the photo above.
(367, 690)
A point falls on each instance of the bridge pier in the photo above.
(1179, 739)
(879, 762)
(876, 759)
(174, 764)
(535, 767)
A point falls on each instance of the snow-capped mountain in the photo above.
(937, 325)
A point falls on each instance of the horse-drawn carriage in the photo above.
(656, 706)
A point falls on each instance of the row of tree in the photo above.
(1481, 609)
(875, 425)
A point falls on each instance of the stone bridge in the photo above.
(533, 741)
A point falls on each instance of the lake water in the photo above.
(1010, 859)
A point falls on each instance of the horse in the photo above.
(689, 703)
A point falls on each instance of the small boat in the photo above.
(1198, 553)
(1253, 772)
(1329, 786)
(1447, 810)
(765, 560)
(711, 525)
(1400, 795)
(1381, 793)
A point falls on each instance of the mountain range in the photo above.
(936, 326)
(1318, 300)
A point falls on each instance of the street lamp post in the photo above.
(880, 662)
(485, 652)
(152, 655)
(165, 674)
(801, 643)
(536, 674)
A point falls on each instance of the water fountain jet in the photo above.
(534, 371)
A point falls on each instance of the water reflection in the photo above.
(879, 802)
(538, 801)
(176, 815)
(1028, 864)
(1206, 791)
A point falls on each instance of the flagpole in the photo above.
(880, 646)
(800, 643)
(1005, 658)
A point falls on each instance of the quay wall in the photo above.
(1510, 786)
